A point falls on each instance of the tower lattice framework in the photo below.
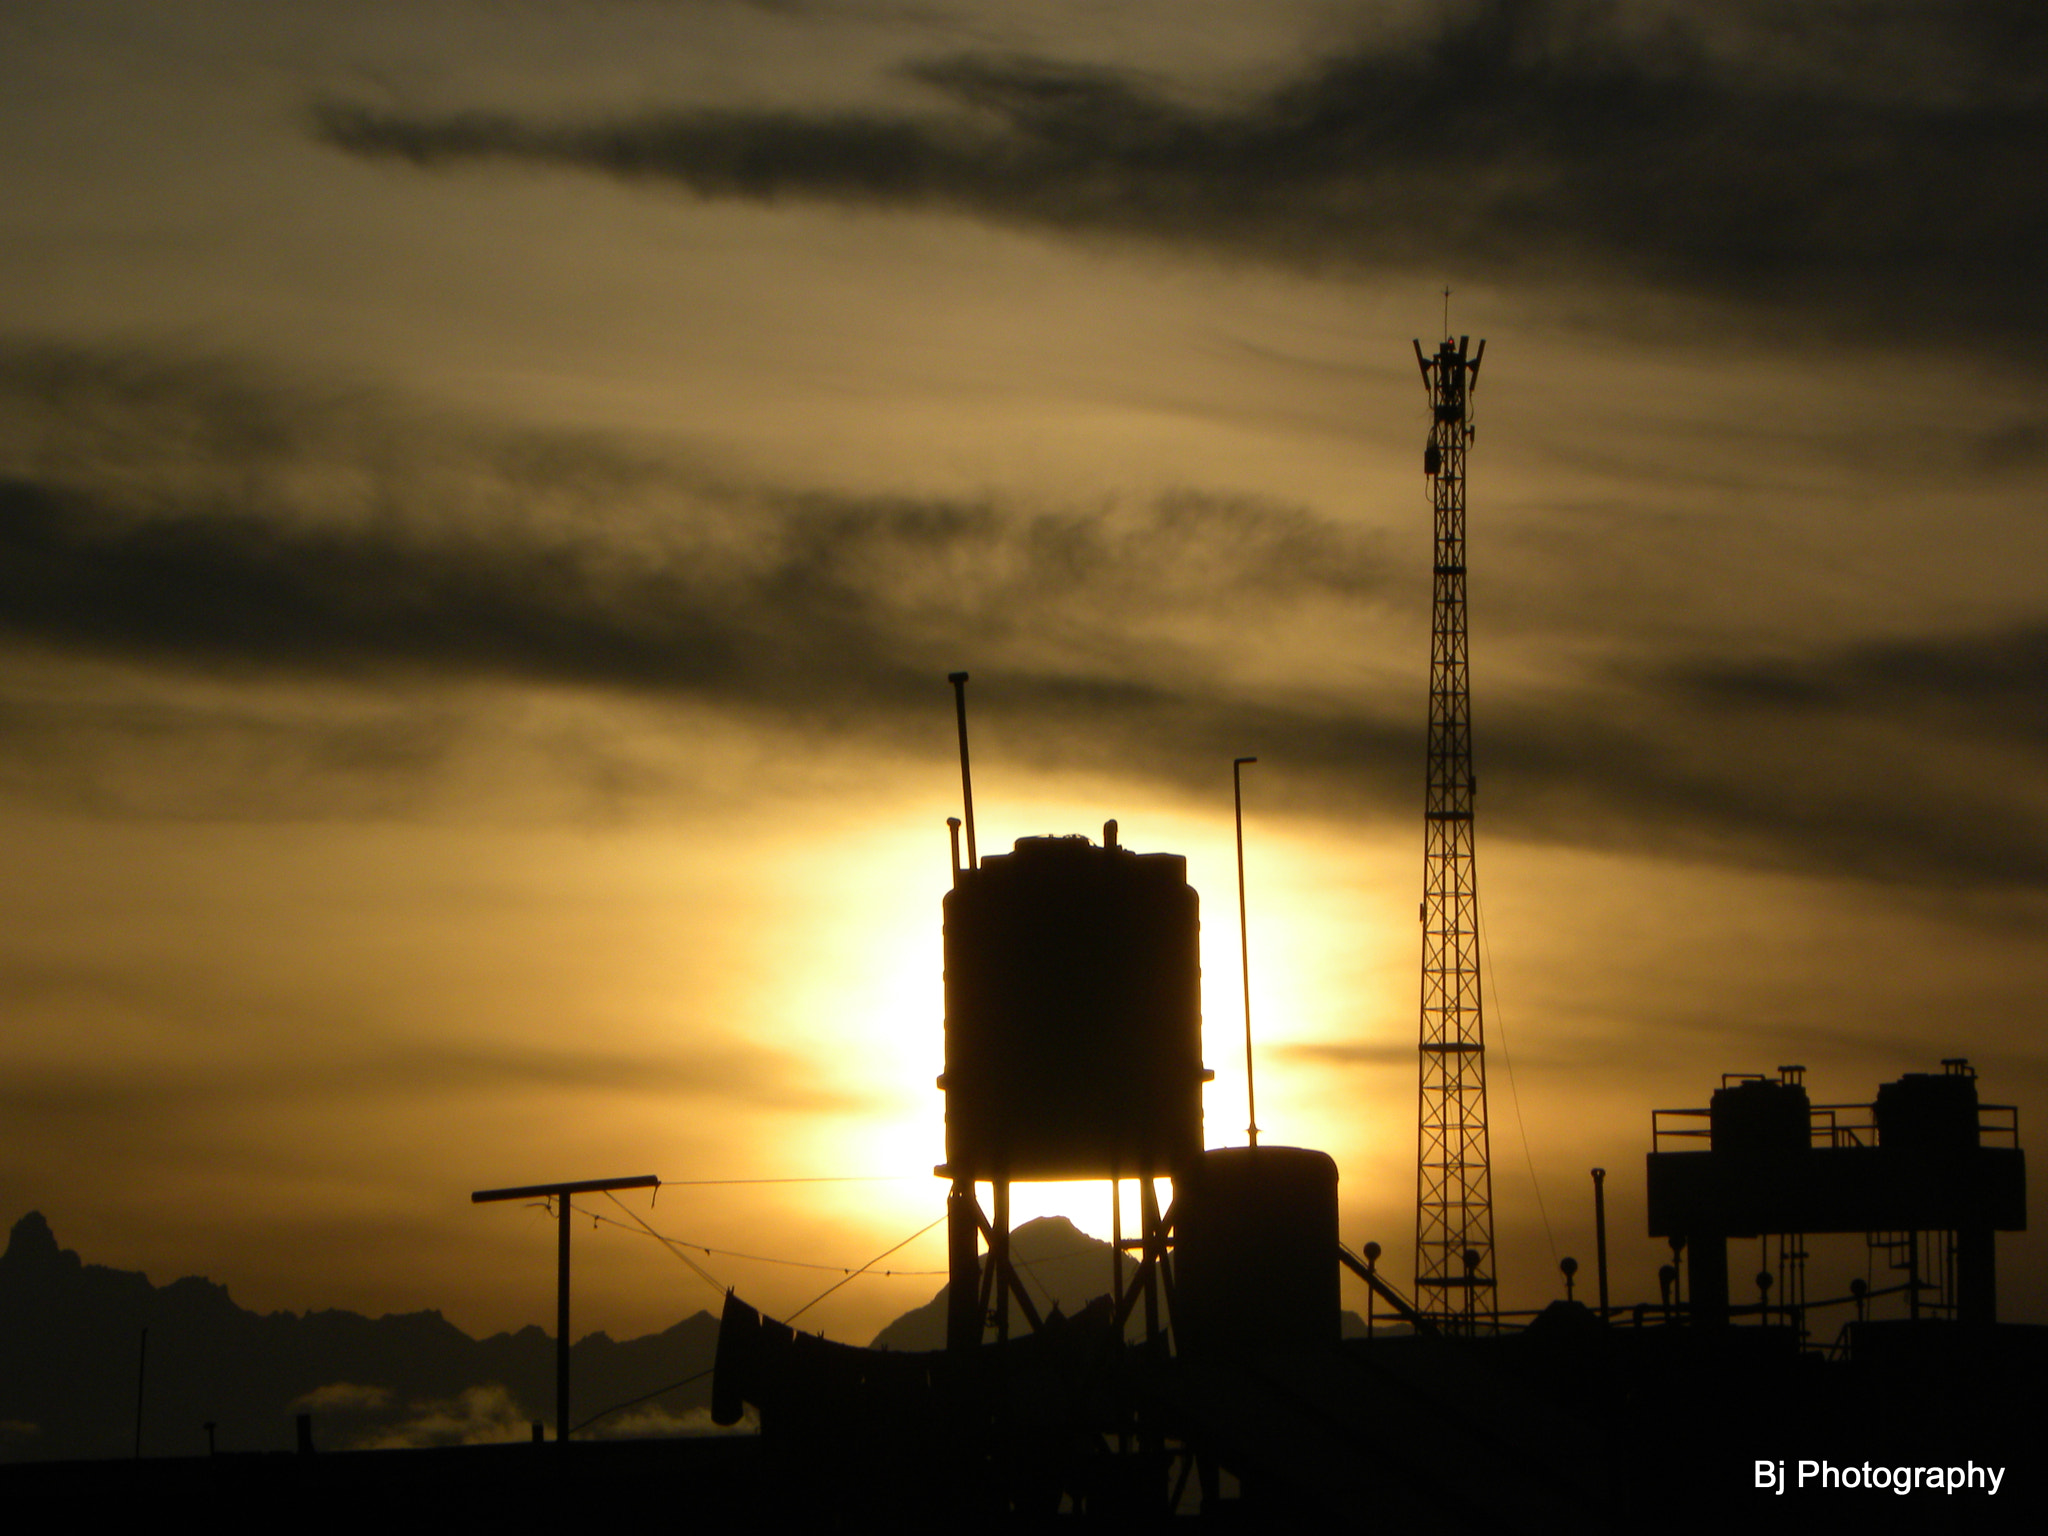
(1454, 1257)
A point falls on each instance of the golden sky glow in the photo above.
(492, 494)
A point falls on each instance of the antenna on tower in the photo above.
(1454, 1258)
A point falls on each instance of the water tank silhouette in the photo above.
(1073, 1014)
(1760, 1119)
(1255, 1251)
(1928, 1115)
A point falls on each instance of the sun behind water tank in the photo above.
(1073, 1014)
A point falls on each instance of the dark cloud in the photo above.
(1549, 139)
(128, 751)
(146, 1097)
(832, 619)
(1905, 760)
(734, 1072)
(203, 517)
(842, 619)
(860, 600)
(249, 537)
(1983, 686)
(229, 588)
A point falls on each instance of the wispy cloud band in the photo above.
(836, 617)
(1544, 139)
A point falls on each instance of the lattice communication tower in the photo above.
(1454, 1259)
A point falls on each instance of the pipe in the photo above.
(959, 682)
(1600, 1232)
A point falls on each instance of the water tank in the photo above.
(1255, 1251)
(1073, 1014)
(1929, 1115)
(1760, 1119)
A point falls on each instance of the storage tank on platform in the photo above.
(1255, 1251)
(1760, 1119)
(1928, 1115)
(1073, 1014)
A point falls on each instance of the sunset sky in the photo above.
(491, 493)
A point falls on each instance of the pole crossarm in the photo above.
(581, 1187)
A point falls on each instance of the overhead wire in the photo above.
(1508, 1061)
(673, 1247)
(687, 1380)
(871, 1263)
(826, 1178)
(605, 1413)
(677, 1244)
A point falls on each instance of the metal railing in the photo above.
(1829, 1126)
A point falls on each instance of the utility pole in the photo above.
(560, 1193)
(1454, 1259)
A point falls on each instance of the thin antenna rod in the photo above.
(1251, 1098)
(959, 682)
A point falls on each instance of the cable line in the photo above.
(871, 1263)
(643, 1397)
(677, 1246)
(673, 1247)
(1508, 1061)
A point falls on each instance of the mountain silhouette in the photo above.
(72, 1346)
(1063, 1268)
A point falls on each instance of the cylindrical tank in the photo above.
(1925, 1114)
(1073, 1014)
(1760, 1119)
(1255, 1251)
